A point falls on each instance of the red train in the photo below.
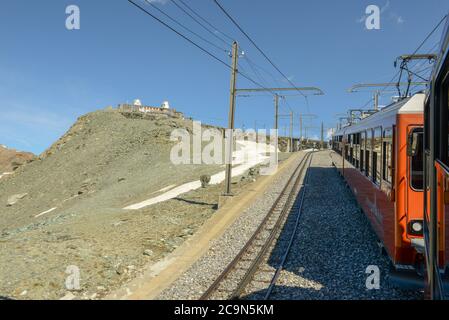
(436, 173)
(385, 172)
(396, 162)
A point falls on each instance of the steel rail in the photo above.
(292, 238)
(290, 188)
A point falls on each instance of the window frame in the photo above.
(387, 173)
(410, 160)
(362, 150)
(376, 170)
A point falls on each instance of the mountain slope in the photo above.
(11, 159)
(69, 205)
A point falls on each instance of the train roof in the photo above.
(411, 105)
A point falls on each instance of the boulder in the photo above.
(12, 200)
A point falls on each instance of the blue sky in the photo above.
(49, 76)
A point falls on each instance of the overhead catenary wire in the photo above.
(254, 67)
(250, 61)
(184, 27)
(207, 22)
(256, 72)
(198, 22)
(416, 50)
(195, 44)
(418, 64)
(255, 45)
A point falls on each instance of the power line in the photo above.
(420, 63)
(254, 67)
(179, 34)
(184, 27)
(254, 44)
(368, 102)
(207, 22)
(430, 34)
(417, 49)
(194, 43)
(202, 25)
(257, 73)
(264, 70)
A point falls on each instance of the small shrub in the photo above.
(205, 180)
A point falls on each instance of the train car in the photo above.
(385, 173)
(436, 177)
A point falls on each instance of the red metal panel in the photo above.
(443, 213)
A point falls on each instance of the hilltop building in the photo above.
(164, 109)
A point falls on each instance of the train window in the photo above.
(368, 160)
(377, 155)
(416, 162)
(387, 156)
(357, 150)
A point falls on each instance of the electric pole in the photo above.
(322, 135)
(276, 127)
(376, 100)
(317, 91)
(276, 111)
(230, 135)
(300, 131)
(291, 131)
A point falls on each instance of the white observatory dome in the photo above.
(165, 105)
(138, 103)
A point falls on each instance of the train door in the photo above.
(442, 172)
(437, 181)
(415, 182)
(436, 207)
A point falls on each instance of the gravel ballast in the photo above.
(200, 276)
(335, 246)
(332, 252)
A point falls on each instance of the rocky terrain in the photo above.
(11, 159)
(65, 208)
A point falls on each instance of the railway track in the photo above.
(246, 267)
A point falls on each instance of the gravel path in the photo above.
(334, 246)
(201, 275)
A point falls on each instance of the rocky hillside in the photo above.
(106, 160)
(11, 159)
(66, 207)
